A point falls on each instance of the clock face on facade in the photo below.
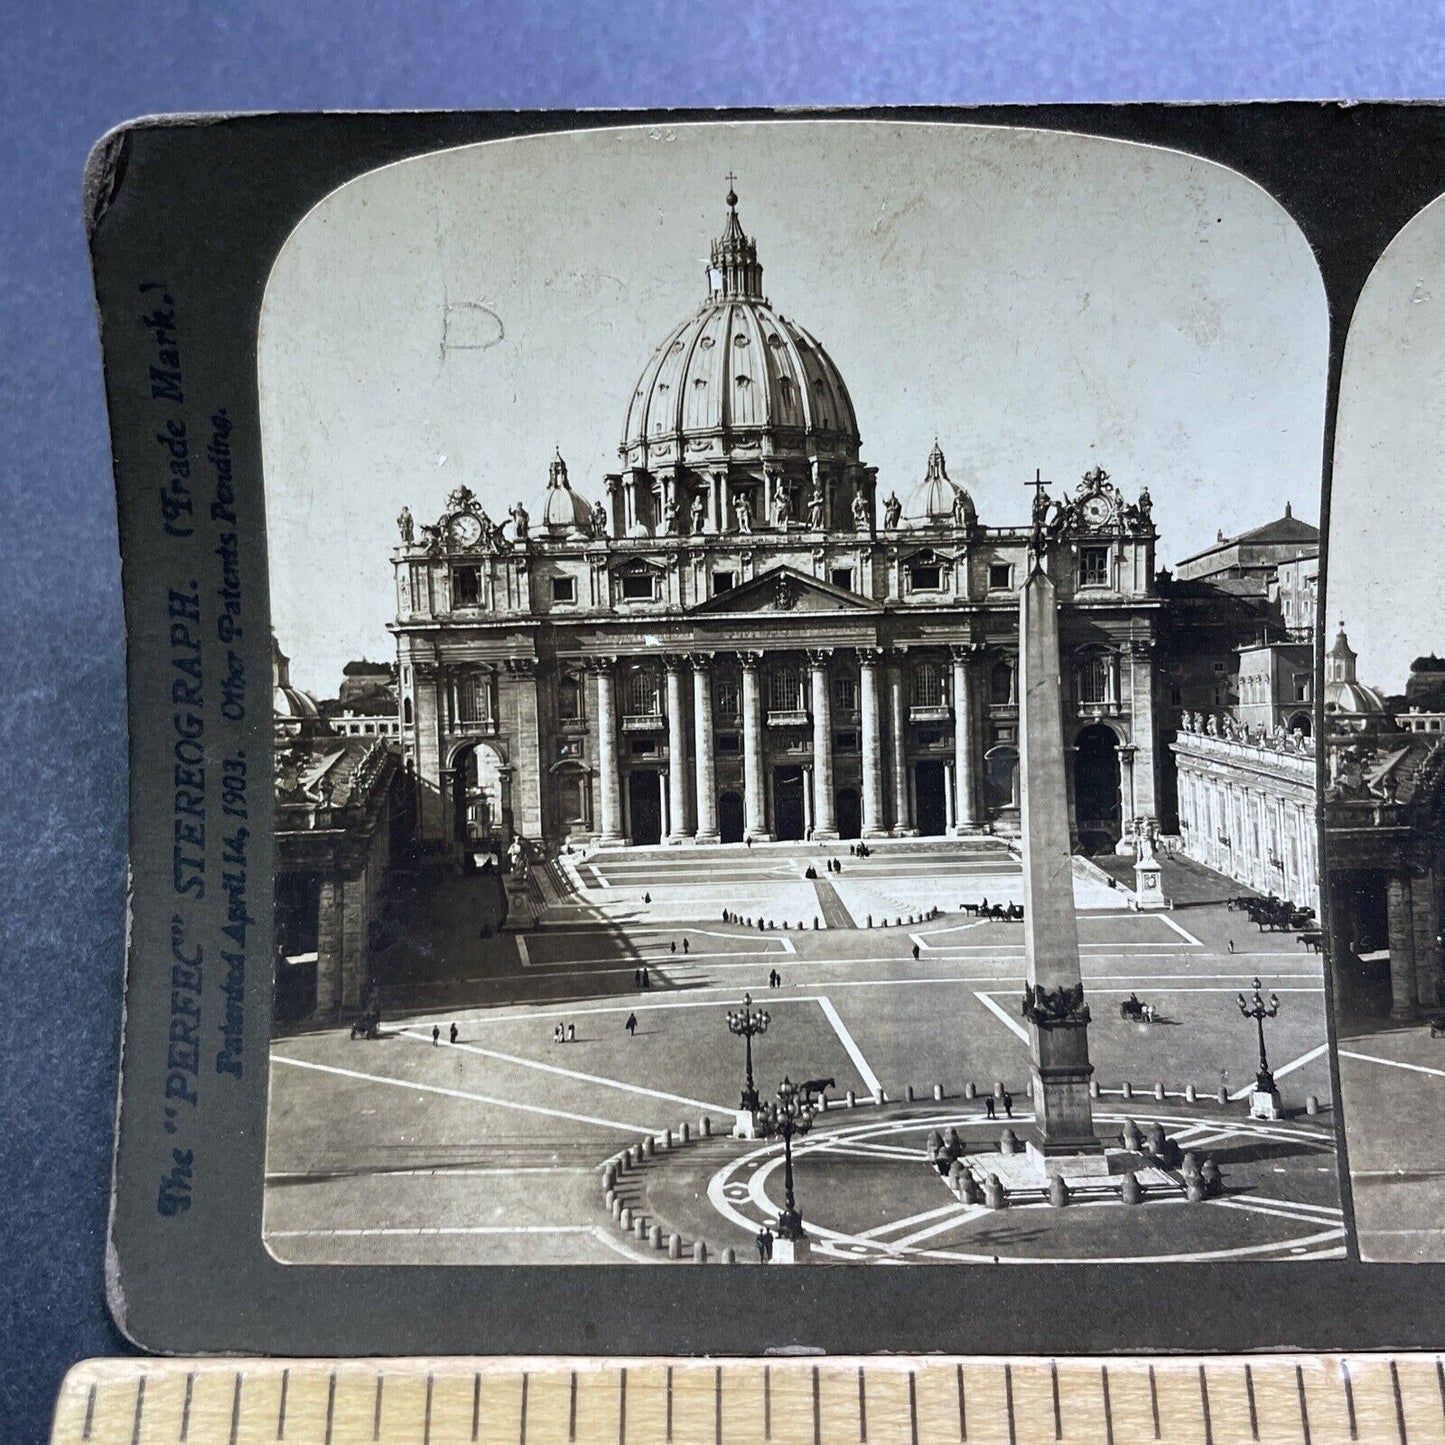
(1096, 511)
(464, 530)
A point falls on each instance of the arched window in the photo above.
(1001, 683)
(642, 693)
(929, 684)
(406, 711)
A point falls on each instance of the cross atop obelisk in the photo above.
(1053, 1003)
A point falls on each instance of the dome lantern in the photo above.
(939, 501)
(734, 269)
(564, 512)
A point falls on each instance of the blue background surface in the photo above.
(69, 71)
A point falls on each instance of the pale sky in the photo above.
(1035, 299)
(1387, 510)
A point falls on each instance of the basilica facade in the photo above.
(746, 633)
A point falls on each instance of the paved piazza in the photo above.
(402, 1150)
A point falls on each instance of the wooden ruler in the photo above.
(1276, 1399)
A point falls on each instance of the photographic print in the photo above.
(794, 705)
(1384, 712)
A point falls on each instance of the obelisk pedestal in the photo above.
(1054, 1007)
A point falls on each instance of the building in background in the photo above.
(743, 637)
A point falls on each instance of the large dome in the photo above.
(738, 377)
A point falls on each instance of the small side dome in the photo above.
(294, 712)
(565, 513)
(1343, 691)
(939, 502)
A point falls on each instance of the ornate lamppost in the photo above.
(746, 1022)
(1255, 1008)
(789, 1115)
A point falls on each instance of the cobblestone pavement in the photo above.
(402, 1150)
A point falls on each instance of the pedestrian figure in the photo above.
(454, 1033)
(436, 1034)
(557, 1034)
(646, 979)
(637, 978)
(571, 1033)
(762, 1243)
(1231, 945)
(631, 1025)
(647, 897)
(768, 1242)
(749, 840)
(672, 945)
(988, 1109)
(1008, 1105)
(686, 946)
(915, 953)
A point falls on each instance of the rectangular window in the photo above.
(842, 577)
(926, 578)
(725, 701)
(723, 582)
(570, 748)
(569, 699)
(564, 589)
(845, 742)
(643, 747)
(569, 798)
(474, 698)
(638, 587)
(1094, 680)
(1093, 566)
(845, 693)
(1000, 576)
(466, 586)
(728, 743)
(1302, 689)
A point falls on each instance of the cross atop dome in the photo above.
(733, 270)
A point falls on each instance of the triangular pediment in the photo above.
(783, 590)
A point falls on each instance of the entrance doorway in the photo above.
(1096, 784)
(644, 800)
(850, 819)
(930, 809)
(787, 803)
(730, 817)
(480, 816)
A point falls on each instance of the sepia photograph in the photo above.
(1384, 715)
(794, 708)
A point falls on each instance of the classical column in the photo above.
(705, 758)
(825, 826)
(610, 783)
(965, 772)
(808, 802)
(950, 824)
(872, 800)
(676, 752)
(755, 824)
(898, 760)
(1400, 906)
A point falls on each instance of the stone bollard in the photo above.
(937, 1091)
(1133, 1139)
(998, 1088)
(1058, 1191)
(822, 1103)
(1008, 1142)
(1029, 1088)
(617, 1207)
(1191, 1094)
(654, 1236)
(1093, 1088)
(953, 1141)
(1312, 1104)
(800, 925)
(760, 925)
(970, 1090)
(699, 1252)
(609, 1176)
(1189, 1165)
(909, 1093)
(609, 1198)
(898, 923)
(1211, 1178)
(747, 923)
(1132, 1191)
(639, 1228)
(1158, 1140)
(728, 1256)
(882, 1094)
(955, 1174)
(625, 1219)
(870, 920)
(704, 1127)
(935, 1143)
(816, 923)
(1222, 1095)
(665, 1142)
(968, 1190)
(684, 1133)
(993, 1195)
(1194, 1190)
(1127, 1089)
(647, 1147)
(674, 1246)
(852, 1098)
(1158, 1091)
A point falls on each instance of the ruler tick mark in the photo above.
(476, 1403)
(186, 1408)
(1399, 1401)
(90, 1415)
(522, 1427)
(1304, 1409)
(1440, 1381)
(1253, 1412)
(962, 1407)
(236, 1408)
(767, 1402)
(913, 1407)
(862, 1408)
(1054, 1383)
(1350, 1399)
(140, 1404)
(572, 1410)
(330, 1406)
(622, 1406)
(1154, 1400)
(426, 1423)
(1204, 1405)
(1008, 1395)
(376, 1411)
(817, 1410)
(669, 1404)
(281, 1409)
(717, 1405)
(1108, 1405)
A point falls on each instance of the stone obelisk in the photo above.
(1054, 996)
